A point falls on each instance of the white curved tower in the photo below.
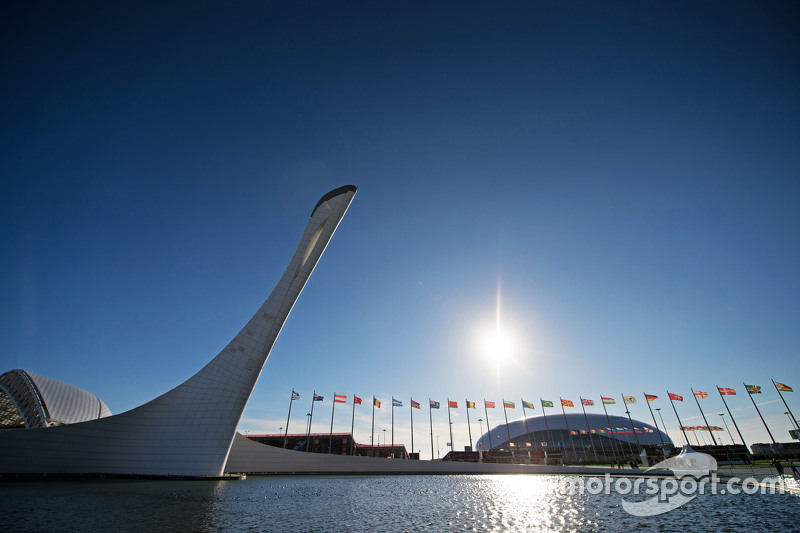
(189, 430)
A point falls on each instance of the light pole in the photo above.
(722, 415)
(384, 437)
(480, 421)
(438, 450)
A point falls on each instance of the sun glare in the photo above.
(498, 345)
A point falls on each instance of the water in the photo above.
(367, 504)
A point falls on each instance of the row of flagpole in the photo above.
(723, 391)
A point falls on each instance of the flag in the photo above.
(452, 405)
(648, 430)
(675, 397)
(317, 397)
(414, 405)
(339, 398)
(584, 401)
(608, 401)
(511, 444)
(527, 404)
(376, 402)
(782, 387)
(489, 405)
(699, 394)
(725, 391)
(567, 403)
(584, 432)
(356, 400)
(650, 397)
(508, 405)
(547, 403)
(543, 444)
(528, 444)
(629, 399)
(295, 396)
(573, 432)
(434, 405)
(753, 389)
(470, 405)
(396, 403)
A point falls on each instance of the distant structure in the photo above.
(573, 440)
(187, 431)
(28, 400)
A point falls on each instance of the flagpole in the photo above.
(411, 410)
(469, 429)
(655, 423)
(589, 429)
(527, 430)
(430, 414)
(392, 427)
(704, 417)
(330, 441)
(311, 417)
(352, 427)
(796, 425)
(372, 439)
(759, 414)
(633, 428)
(450, 423)
(547, 427)
(488, 427)
(286, 433)
(608, 420)
(733, 420)
(679, 419)
(508, 430)
(569, 431)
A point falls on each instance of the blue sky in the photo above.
(619, 180)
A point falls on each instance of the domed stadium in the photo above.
(28, 400)
(605, 438)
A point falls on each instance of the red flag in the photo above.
(489, 405)
(699, 394)
(725, 391)
(339, 398)
(675, 397)
(567, 403)
(451, 404)
(356, 399)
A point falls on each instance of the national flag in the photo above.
(573, 432)
(753, 389)
(675, 397)
(356, 400)
(648, 430)
(317, 397)
(592, 431)
(584, 401)
(396, 403)
(567, 403)
(608, 401)
(511, 444)
(528, 444)
(508, 405)
(452, 405)
(527, 404)
(699, 394)
(782, 387)
(376, 402)
(547, 403)
(295, 396)
(470, 405)
(543, 444)
(601, 431)
(415, 405)
(725, 391)
(489, 405)
(650, 397)
(339, 398)
(434, 405)
(584, 432)
(629, 399)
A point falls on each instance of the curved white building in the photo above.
(28, 400)
(189, 430)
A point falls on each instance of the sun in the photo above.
(498, 345)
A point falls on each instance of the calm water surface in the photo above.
(368, 504)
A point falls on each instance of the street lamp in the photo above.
(480, 421)
(722, 415)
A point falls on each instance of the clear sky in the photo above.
(614, 183)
